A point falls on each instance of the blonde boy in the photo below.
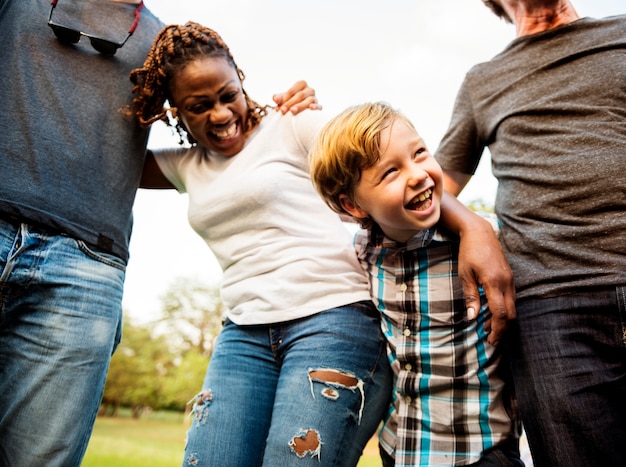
(451, 405)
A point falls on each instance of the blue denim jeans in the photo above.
(569, 364)
(309, 392)
(60, 320)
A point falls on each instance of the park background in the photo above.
(410, 53)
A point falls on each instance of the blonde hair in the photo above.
(347, 144)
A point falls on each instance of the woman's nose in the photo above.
(220, 114)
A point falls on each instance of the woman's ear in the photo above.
(351, 207)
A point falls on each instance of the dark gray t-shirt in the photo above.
(552, 110)
(69, 159)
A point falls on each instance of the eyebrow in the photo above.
(232, 81)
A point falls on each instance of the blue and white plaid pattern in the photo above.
(450, 402)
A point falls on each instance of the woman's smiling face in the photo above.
(211, 105)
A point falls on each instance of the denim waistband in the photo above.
(16, 221)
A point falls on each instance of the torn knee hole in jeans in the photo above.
(192, 459)
(307, 441)
(201, 403)
(333, 380)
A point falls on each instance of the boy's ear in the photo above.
(351, 207)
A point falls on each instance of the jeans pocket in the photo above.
(101, 255)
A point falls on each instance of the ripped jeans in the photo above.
(309, 392)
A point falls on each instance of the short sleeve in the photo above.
(461, 147)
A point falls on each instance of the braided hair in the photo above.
(173, 48)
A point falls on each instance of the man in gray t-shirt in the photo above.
(551, 108)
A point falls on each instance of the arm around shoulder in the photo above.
(482, 263)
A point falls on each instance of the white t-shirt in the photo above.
(284, 253)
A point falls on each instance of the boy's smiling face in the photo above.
(402, 191)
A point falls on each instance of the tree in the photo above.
(184, 380)
(137, 369)
(162, 365)
(192, 315)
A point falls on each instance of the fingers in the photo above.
(298, 86)
(482, 264)
(501, 304)
(471, 294)
(298, 98)
(502, 307)
(309, 103)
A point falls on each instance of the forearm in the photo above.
(459, 219)
(481, 264)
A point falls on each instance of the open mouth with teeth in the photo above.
(421, 201)
(227, 134)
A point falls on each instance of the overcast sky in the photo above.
(410, 53)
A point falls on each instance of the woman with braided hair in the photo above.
(299, 374)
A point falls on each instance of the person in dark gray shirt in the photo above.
(551, 108)
(70, 166)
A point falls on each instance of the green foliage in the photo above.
(184, 380)
(162, 365)
(136, 369)
(192, 315)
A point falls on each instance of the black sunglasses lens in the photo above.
(103, 46)
(65, 34)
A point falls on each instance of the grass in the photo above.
(158, 440)
(125, 442)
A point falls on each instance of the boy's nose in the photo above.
(418, 176)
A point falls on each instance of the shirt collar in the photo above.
(419, 240)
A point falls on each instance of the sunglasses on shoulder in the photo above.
(72, 36)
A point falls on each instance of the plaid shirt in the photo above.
(450, 403)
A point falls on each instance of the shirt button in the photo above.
(407, 399)
(408, 367)
(407, 332)
(403, 287)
